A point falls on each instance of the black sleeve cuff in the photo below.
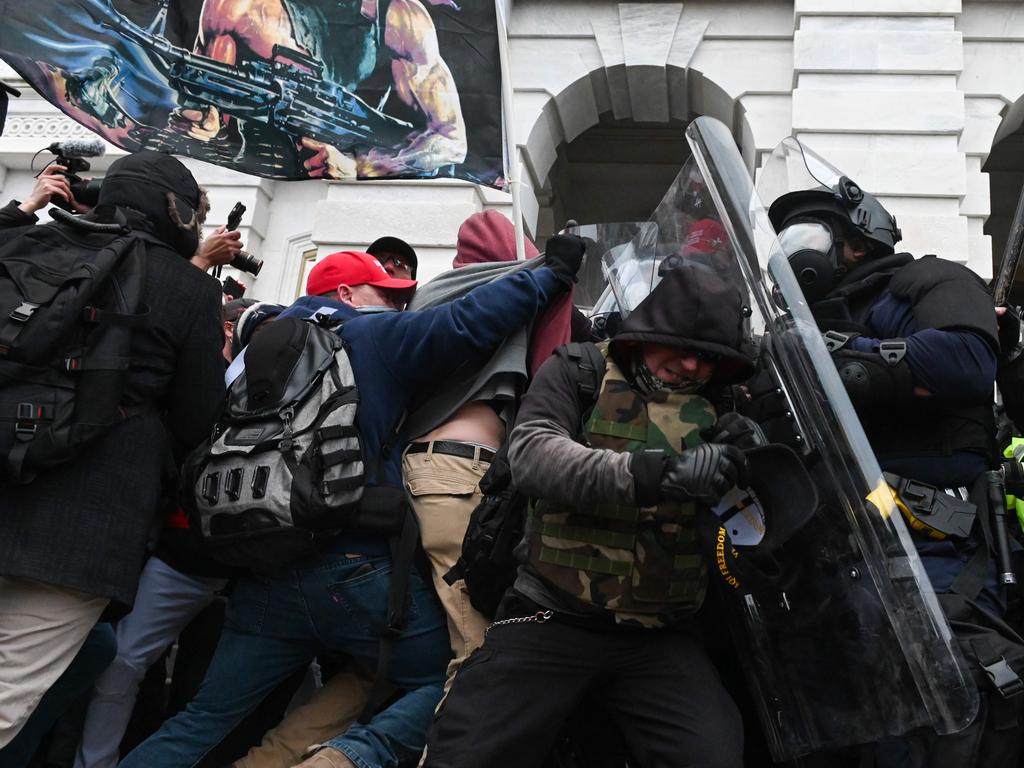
(12, 216)
(646, 468)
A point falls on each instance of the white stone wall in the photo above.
(907, 96)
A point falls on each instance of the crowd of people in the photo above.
(124, 640)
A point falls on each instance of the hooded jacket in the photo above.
(84, 526)
(690, 308)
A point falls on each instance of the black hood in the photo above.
(693, 308)
(164, 191)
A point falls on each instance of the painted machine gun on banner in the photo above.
(287, 93)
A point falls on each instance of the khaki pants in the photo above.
(445, 491)
(329, 713)
(41, 629)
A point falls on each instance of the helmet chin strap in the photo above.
(649, 384)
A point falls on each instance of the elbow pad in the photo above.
(876, 381)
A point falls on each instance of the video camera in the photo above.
(71, 154)
(244, 261)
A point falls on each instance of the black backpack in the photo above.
(70, 294)
(496, 526)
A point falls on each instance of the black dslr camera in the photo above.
(244, 261)
(71, 154)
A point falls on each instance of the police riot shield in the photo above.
(616, 272)
(839, 631)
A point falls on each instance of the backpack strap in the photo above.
(403, 554)
(587, 366)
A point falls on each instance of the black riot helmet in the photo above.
(813, 224)
(815, 209)
(847, 201)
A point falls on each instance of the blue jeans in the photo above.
(334, 604)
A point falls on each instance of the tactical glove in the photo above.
(563, 255)
(734, 429)
(704, 473)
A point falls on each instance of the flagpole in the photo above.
(508, 119)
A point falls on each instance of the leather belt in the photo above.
(452, 448)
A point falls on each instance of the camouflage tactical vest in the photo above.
(643, 563)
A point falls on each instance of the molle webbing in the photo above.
(624, 558)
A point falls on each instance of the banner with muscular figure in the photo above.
(289, 89)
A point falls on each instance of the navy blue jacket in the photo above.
(401, 356)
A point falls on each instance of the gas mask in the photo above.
(815, 254)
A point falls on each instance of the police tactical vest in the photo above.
(643, 563)
(927, 429)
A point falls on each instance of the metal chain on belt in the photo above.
(540, 617)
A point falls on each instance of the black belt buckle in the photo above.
(1006, 681)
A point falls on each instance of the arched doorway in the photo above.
(616, 170)
(606, 147)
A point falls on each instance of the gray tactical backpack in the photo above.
(284, 466)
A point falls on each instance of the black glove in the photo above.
(734, 429)
(704, 473)
(563, 255)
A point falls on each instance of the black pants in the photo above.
(512, 697)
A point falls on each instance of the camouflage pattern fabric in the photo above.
(643, 563)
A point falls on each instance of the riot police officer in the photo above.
(915, 343)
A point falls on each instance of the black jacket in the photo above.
(85, 525)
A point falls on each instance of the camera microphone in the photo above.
(71, 154)
(93, 147)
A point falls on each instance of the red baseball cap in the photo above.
(351, 268)
(705, 236)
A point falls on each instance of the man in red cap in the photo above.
(358, 279)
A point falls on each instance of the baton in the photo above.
(997, 503)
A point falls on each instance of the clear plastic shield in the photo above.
(626, 260)
(846, 644)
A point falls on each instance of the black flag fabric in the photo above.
(288, 89)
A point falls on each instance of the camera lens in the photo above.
(247, 263)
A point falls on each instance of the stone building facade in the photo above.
(920, 101)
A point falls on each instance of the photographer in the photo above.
(215, 250)
(73, 540)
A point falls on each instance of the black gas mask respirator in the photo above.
(815, 254)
